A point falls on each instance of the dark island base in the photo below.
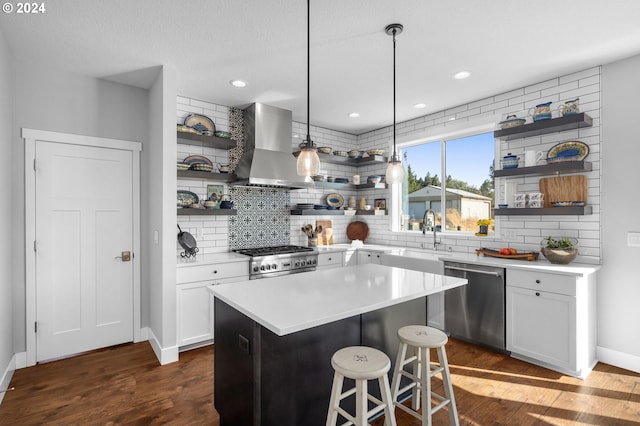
(264, 379)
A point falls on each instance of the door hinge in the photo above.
(35, 327)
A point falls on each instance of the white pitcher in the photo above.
(531, 158)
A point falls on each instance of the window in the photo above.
(454, 173)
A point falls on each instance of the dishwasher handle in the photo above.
(478, 271)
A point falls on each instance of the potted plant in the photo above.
(484, 226)
(559, 250)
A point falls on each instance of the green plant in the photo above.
(560, 243)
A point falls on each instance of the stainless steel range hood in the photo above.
(267, 159)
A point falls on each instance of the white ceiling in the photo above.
(505, 44)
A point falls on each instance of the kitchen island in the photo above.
(275, 336)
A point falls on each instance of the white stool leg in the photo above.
(389, 416)
(425, 383)
(417, 371)
(395, 384)
(448, 388)
(361, 403)
(334, 401)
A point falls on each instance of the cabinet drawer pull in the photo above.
(215, 271)
(537, 294)
(330, 259)
(537, 281)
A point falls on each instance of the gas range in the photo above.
(279, 260)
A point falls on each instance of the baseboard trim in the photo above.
(7, 374)
(618, 359)
(164, 355)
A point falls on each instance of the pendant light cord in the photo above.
(395, 154)
(309, 143)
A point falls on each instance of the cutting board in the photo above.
(326, 236)
(563, 188)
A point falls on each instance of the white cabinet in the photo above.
(551, 320)
(350, 257)
(329, 260)
(368, 256)
(194, 304)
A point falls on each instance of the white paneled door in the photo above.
(84, 231)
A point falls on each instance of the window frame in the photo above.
(452, 131)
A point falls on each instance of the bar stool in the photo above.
(361, 364)
(421, 339)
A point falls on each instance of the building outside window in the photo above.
(454, 173)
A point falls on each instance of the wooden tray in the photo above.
(357, 230)
(563, 188)
(530, 255)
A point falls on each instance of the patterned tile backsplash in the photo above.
(263, 217)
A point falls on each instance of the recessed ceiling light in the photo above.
(419, 106)
(354, 115)
(238, 83)
(461, 75)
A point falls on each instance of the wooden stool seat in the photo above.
(361, 364)
(421, 339)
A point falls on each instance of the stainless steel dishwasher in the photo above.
(476, 312)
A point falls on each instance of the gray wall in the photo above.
(56, 100)
(618, 287)
(6, 311)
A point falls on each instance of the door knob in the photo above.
(125, 256)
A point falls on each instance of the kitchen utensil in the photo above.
(564, 188)
(200, 122)
(187, 198)
(357, 230)
(570, 107)
(511, 121)
(531, 158)
(225, 203)
(188, 243)
(197, 159)
(223, 168)
(541, 112)
(568, 151)
(510, 161)
(325, 237)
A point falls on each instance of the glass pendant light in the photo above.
(395, 170)
(308, 163)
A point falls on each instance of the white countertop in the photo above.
(296, 302)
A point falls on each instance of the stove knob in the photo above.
(296, 265)
(268, 267)
(274, 266)
(256, 268)
(262, 267)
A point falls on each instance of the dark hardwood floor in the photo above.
(124, 385)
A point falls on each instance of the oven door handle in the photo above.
(477, 271)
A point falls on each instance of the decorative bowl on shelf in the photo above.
(510, 161)
(341, 153)
(375, 152)
(503, 206)
(374, 179)
(325, 150)
(355, 154)
(511, 121)
(222, 134)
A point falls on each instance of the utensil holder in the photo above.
(312, 242)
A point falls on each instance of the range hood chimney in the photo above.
(267, 159)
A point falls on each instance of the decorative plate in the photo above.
(568, 151)
(375, 152)
(201, 167)
(187, 198)
(200, 122)
(335, 200)
(186, 129)
(197, 159)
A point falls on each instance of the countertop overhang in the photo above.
(296, 302)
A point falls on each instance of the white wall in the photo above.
(161, 216)
(618, 286)
(6, 187)
(49, 99)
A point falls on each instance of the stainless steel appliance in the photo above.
(267, 158)
(476, 312)
(279, 260)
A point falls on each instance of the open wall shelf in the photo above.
(537, 128)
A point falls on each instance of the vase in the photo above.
(484, 229)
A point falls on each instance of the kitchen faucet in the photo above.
(433, 226)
